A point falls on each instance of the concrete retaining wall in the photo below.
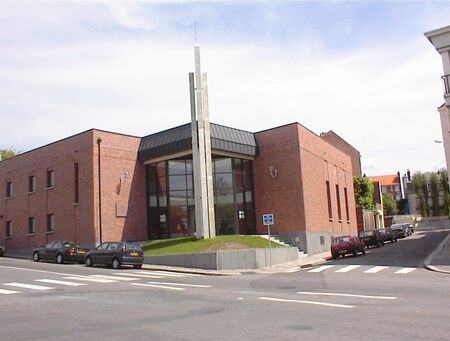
(227, 260)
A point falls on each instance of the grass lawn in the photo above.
(191, 245)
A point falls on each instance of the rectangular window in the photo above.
(31, 184)
(9, 189)
(8, 230)
(346, 204)
(330, 212)
(75, 183)
(338, 199)
(50, 222)
(31, 226)
(50, 178)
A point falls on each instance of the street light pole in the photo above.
(99, 141)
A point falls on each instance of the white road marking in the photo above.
(376, 269)
(157, 286)
(240, 298)
(8, 292)
(137, 275)
(28, 286)
(114, 278)
(405, 270)
(307, 302)
(34, 270)
(348, 268)
(90, 279)
(321, 268)
(182, 284)
(52, 281)
(346, 295)
(163, 273)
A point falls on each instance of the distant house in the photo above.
(389, 184)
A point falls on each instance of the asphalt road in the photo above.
(384, 294)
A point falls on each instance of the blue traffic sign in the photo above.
(268, 219)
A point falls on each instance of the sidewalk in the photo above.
(439, 259)
(301, 262)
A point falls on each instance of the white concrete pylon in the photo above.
(201, 153)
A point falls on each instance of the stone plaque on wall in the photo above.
(121, 210)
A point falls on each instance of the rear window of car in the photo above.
(342, 240)
(132, 246)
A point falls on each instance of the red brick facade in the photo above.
(297, 194)
(72, 220)
(290, 173)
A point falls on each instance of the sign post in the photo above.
(267, 221)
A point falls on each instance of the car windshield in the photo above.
(396, 226)
(339, 240)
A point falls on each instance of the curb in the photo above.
(427, 262)
(318, 262)
(187, 271)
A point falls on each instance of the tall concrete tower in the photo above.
(440, 39)
(201, 152)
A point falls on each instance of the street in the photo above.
(385, 294)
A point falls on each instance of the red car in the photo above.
(343, 245)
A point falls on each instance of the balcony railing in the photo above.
(446, 79)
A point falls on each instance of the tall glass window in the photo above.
(171, 207)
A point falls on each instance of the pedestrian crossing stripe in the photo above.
(348, 268)
(372, 270)
(8, 292)
(376, 269)
(53, 281)
(321, 268)
(28, 286)
(405, 270)
(90, 279)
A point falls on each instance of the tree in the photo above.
(434, 184)
(7, 153)
(363, 192)
(389, 205)
(420, 188)
(443, 178)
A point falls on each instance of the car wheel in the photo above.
(36, 257)
(355, 252)
(378, 244)
(363, 251)
(115, 263)
(59, 259)
(89, 262)
(140, 266)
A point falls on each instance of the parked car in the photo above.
(343, 245)
(400, 230)
(388, 235)
(2, 250)
(116, 254)
(371, 238)
(60, 251)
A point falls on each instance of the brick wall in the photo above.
(123, 202)
(297, 195)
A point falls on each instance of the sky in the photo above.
(363, 69)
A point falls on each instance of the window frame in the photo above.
(8, 229)
(31, 184)
(31, 226)
(9, 189)
(50, 178)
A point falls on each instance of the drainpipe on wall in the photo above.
(99, 141)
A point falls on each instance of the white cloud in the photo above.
(383, 101)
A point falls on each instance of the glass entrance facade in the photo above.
(170, 193)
